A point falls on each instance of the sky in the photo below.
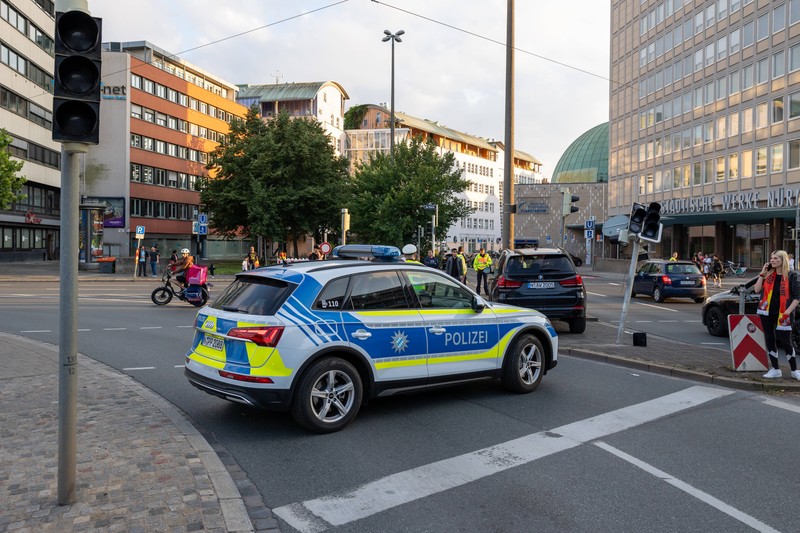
(449, 67)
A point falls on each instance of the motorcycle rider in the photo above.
(179, 268)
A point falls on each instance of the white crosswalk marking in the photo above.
(391, 491)
(688, 489)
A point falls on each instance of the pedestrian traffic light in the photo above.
(567, 200)
(652, 226)
(76, 90)
(638, 213)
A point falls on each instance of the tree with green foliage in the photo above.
(10, 183)
(279, 179)
(388, 196)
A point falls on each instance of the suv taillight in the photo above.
(507, 283)
(666, 280)
(576, 281)
(261, 335)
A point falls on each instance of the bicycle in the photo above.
(733, 269)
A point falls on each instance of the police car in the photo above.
(320, 338)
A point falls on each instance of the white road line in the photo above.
(596, 294)
(714, 343)
(644, 321)
(150, 327)
(690, 490)
(692, 321)
(85, 329)
(614, 284)
(668, 321)
(316, 515)
(185, 326)
(36, 331)
(658, 307)
(114, 329)
(179, 366)
(782, 405)
(139, 368)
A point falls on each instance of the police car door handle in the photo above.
(362, 334)
(437, 330)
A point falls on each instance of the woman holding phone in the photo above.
(780, 295)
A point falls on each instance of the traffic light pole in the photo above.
(68, 322)
(628, 286)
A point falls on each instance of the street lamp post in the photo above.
(389, 36)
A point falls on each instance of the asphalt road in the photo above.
(596, 447)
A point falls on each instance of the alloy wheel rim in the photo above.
(332, 396)
(530, 364)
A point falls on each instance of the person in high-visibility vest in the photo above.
(480, 264)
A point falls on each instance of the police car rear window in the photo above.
(254, 296)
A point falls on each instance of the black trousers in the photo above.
(775, 338)
(482, 274)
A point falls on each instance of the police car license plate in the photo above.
(541, 285)
(215, 343)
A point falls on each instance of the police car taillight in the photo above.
(261, 335)
(244, 377)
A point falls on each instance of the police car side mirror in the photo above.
(478, 304)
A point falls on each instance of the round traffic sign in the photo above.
(614, 225)
(325, 248)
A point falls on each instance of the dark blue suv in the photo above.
(661, 279)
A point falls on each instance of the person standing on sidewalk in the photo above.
(480, 264)
(141, 270)
(463, 260)
(154, 257)
(430, 260)
(780, 294)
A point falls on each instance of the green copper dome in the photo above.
(586, 159)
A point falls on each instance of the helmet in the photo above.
(185, 251)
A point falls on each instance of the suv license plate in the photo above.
(690, 282)
(215, 343)
(541, 285)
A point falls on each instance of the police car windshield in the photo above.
(254, 295)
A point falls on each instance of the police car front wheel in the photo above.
(328, 396)
(522, 370)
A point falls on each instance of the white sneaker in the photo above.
(774, 373)
(796, 374)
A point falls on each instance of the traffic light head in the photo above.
(652, 226)
(567, 201)
(76, 90)
(638, 213)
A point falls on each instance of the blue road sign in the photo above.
(589, 224)
(139, 230)
(202, 218)
(203, 229)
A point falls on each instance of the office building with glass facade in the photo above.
(705, 119)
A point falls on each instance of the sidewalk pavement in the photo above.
(142, 466)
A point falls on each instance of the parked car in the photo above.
(662, 279)
(544, 279)
(717, 307)
(320, 338)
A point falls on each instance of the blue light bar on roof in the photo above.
(367, 251)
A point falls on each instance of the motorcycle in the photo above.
(197, 295)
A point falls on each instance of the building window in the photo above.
(761, 160)
(794, 104)
(136, 141)
(733, 166)
(761, 115)
(136, 172)
(779, 18)
(778, 64)
(747, 77)
(776, 158)
(762, 27)
(762, 71)
(746, 167)
(794, 154)
(147, 175)
(720, 176)
(777, 110)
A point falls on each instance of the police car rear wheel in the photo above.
(328, 396)
(522, 371)
(161, 296)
